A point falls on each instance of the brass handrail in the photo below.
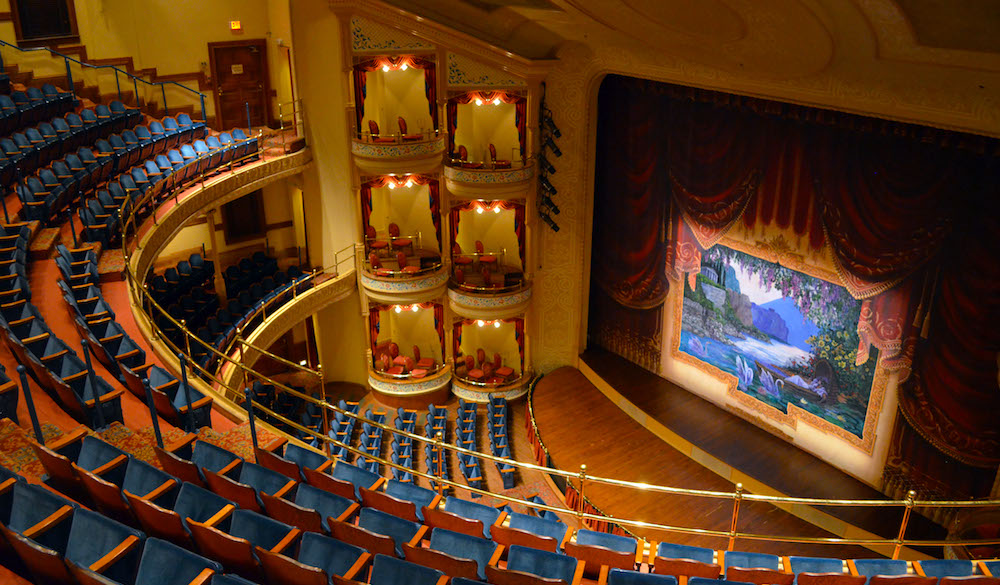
(141, 294)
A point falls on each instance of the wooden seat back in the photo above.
(182, 469)
(236, 554)
(281, 569)
(277, 463)
(806, 578)
(444, 562)
(243, 495)
(292, 514)
(507, 536)
(498, 576)
(106, 495)
(325, 481)
(366, 539)
(45, 564)
(597, 556)
(685, 568)
(759, 576)
(389, 504)
(159, 522)
(438, 518)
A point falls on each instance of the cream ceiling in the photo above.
(938, 55)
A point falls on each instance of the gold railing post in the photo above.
(239, 346)
(583, 479)
(326, 416)
(910, 496)
(187, 338)
(737, 498)
(439, 453)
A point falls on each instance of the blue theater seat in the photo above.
(456, 554)
(626, 577)
(683, 560)
(235, 547)
(168, 519)
(387, 570)
(601, 549)
(540, 563)
(319, 558)
(379, 532)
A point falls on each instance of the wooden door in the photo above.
(239, 73)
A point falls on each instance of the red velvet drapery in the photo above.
(360, 79)
(520, 114)
(374, 316)
(909, 214)
(434, 198)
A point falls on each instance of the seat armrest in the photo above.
(284, 490)
(181, 443)
(358, 565)
(160, 490)
(72, 436)
(44, 525)
(203, 578)
(110, 465)
(114, 554)
(419, 536)
(219, 516)
(287, 540)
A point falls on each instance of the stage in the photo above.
(626, 423)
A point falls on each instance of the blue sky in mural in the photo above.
(786, 336)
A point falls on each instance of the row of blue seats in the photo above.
(286, 405)
(496, 409)
(179, 402)
(370, 442)
(342, 428)
(20, 108)
(402, 446)
(32, 148)
(242, 313)
(242, 275)
(56, 368)
(12, 237)
(178, 280)
(48, 190)
(152, 175)
(436, 460)
(465, 437)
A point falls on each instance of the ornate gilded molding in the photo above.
(489, 183)
(465, 73)
(473, 393)
(405, 290)
(371, 37)
(399, 157)
(490, 306)
(409, 387)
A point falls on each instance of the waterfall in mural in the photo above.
(787, 337)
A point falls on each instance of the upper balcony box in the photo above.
(401, 259)
(487, 135)
(396, 116)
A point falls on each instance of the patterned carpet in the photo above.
(16, 453)
(238, 440)
(139, 443)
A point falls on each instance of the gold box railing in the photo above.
(582, 510)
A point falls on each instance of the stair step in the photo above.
(111, 265)
(16, 453)
(43, 244)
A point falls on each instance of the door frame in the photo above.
(262, 45)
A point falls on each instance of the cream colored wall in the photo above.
(494, 230)
(390, 94)
(407, 207)
(408, 328)
(341, 345)
(171, 37)
(478, 126)
(492, 340)
(278, 209)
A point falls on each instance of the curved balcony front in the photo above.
(477, 391)
(497, 302)
(407, 390)
(394, 155)
(488, 181)
(393, 284)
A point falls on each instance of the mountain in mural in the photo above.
(770, 321)
(798, 328)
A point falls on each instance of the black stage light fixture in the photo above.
(549, 221)
(545, 164)
(550, 124)
(549, 205)
(546, 186)
(552, 146)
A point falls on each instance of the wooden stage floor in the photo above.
(578, 424)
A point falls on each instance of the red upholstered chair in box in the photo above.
(412, 368)
(487, 278)
(459, 276)
(463, 157)
(498, 164)
(471, 371)
(501, 370)
(402, 130)
(397, 360)
(480, 357)
(403, 267)
(389, 367)
(377, 267)
(397, 242)
(457, 258)
(373, 129)
(374, 244)
(424, 363)
(485, 260)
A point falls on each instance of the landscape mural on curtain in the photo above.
(787, 337)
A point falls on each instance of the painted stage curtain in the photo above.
(360, 79)
(520, 114)
(908, 212)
